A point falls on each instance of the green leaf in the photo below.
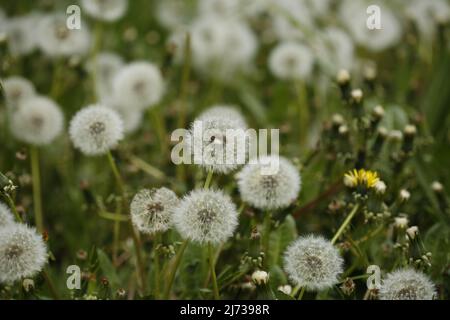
(280, 239)
(107, 268)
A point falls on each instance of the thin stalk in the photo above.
(116, 232)
(157, 241)
(37, 197)
(160, 127)
(213, 272)
(173, 269)
(302, 292)
(208, 179)
(345, 224)
(13, 207)
(50, 285)
(137, 245)
(266, 233)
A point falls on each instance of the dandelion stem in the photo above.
(50, 285)
(174, 267)
(157, 241)
(137, 245)
(13, 207)
(213, 272)
(159, 125)
(345, 224)
(37, 198)
(208, 179)
(302, 292)
(266, 234)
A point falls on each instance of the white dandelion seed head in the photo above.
(6, 216)
(271, 183)
(291, 61)
(152, 210)
(224, 111)
(214, 144)
(96, 129)
(21, 38)
(172, 14)
(287, 16)
(38, 121)
(55, 39)
(106, 65)
(353, 15)
(206, 216)
(23, 252)
(219, 8)
(139, 85)
(17, 89)
(407, 284)
(105, 10)
(425, 14)
(313, 262)
(131, 118)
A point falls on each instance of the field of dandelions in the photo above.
(94, 207)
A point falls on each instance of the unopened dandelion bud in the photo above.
(343, 130)
(380, 187)
(348, 286)
(412, 232)
(121, 293)
(343, 80)
(401, 222)
(337, 119)
(260, 277)
(286, 289)
(437, 187)
(404, 195)
(378, 112)
(357, 96)
(370, 73)
(409, 132)
(395, 135)
(28, 285)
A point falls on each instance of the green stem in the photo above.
(345, 224)
(37, 197)
(208, 179)
(157, 241)
(13, 207)
(161, 132)
(266, 234)
(173, 269)
(50, 285)
(302, 292)
(213, 272)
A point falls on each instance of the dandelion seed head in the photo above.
(224, 111)
(96, 129)
(206, 216)
(313, 262)
(17, 90)
(55, 39)
(105, 10)
(152, 210)
(6, 216)
(269, 190)
(138, 85)
(21, 39)
(407, 284)
(23, 252)
(37, 121)
(291, 61)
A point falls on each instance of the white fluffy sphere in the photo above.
(17, 89)
(152, 210)
(206, 216)
(138, 85)
(407, 284)
(272, 183)
(291, 61)
(23, 253)
(96, 129)
(37, 121)
(313, 262)
(105, 10)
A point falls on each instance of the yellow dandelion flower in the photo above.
(361, 177)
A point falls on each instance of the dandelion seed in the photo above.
(269, 190)
(152, 210)
(23, 253)
(407, 284)
(6, 216)
(38, 121)
(96, 129)
(313, 262)
(291, 61)
(138, 85)
(206, 217)
(105, 10)
(17, 90)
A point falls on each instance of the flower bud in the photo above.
(401, 222)
(404, 195)
(28, 285)
(412, 232)
(260, 277)
(286, 289)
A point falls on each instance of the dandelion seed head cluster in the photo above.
(17, 89)
(105, 10)
(313, 262)
(152, 210)
(96, 129)
(38, 121)
(407, 284)
(23, 252)
(206, 217)
(6, 216)
(138, 85)
(269, 190)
